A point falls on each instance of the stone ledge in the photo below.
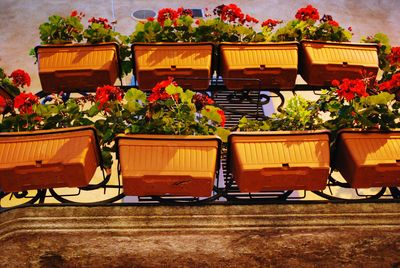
(328, 235)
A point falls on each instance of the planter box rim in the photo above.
(171, 44)
(365, 131)
(279, 132)
(259, 43)
(339, 43)
(167, 137)
(76, 45)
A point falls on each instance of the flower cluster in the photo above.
(270, 23)
(3, 104)
(102, 21)
(392, 85)
(77, 14)
(20, 78)
(307, 13)
(233, 13)
(394, 56)
(184, 12)
(107, 94)
(24, 102)
(348, 89)
(166, 14)
(158, 91)
(201, 100)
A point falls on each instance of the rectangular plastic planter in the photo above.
(77, 67)
(158, 61)
(369, 158)
(275, 64)
(279, 160)
(168, 165)
(321, 62)
(48, 158)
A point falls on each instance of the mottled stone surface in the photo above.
(325, 235)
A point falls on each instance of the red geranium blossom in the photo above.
(229, 13)
(349, 89)
(270, 23)
(184, 12)
(201, 100)
(333, 23)
(106, 94)
(150, 19)
(223, 117)
(166, 13)
(307, 13)
(24, 102)
(102, 21)
(394, 56)
(20, 78)
(74, 13)
(158, 91)
(3, 104)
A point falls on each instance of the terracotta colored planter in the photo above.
(279, 160)
(77, 67)
(322, 62)
(157, 61)
(168, 165)
(275, 64)
(369, 158)
(48, 158)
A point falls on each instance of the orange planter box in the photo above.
(77, 67)
(322, 62)
(279, 160)
(158, 61)
(369, 158)
(275, 64)
(48, 158)
(168, 165)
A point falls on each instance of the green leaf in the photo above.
(134, 94)
(94, 110)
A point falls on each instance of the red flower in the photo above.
(230, 13)
(24, 102)
(333, 23)
(394, 56)
(158, 91)
(349, 89)
(74, 13)
(20, 78)
(102, 21)
(166, 13)
(150, 19)
(223, 117)
(3, 104)
(200, 100)
(335, 83)
(106, 94)
(270, 23)
(184, 12)
(350, 28)
(197, 22)
(307, 13)
(392, 84)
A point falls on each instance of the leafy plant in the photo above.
(299, 114)
(12, 83)
(60, 30)
(305, 26)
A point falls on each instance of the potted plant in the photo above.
(67, 65)
(326, 53)
(46, 145)
(10, 85)
(287, 151)
(170, 145)
(364, 116)
(165, 47)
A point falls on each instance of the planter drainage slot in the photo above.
(397, 160)
(38, 163)
(262, 67)
(345, 63)
(285, 165)
(173, 67)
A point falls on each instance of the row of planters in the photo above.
(176, 45)
(170, 141)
